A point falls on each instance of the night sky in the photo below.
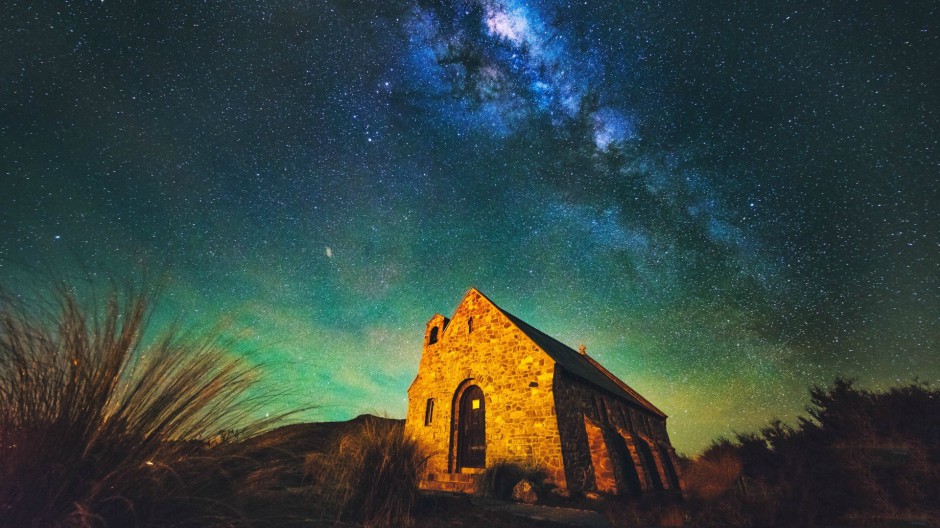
(726, 202)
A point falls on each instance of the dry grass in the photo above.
(712, 474)
(650, 510)
(99, 428)
(371, 476)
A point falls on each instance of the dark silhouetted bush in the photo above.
(860, 458)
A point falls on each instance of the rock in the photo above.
(524, 491)
(590, 495)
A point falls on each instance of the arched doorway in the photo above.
(471, 429)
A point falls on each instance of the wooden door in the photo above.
(471, 432)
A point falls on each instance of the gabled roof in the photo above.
(580, 365)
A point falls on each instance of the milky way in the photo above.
(724, 204)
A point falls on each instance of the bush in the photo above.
(714, 473)
(860, 458)
(371, 476)
(500, 478)
(99, 428)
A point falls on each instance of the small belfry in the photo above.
(493, 389)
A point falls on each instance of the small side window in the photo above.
(433, 337)
(470, 325)
(429, 412)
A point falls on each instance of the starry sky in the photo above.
(725, 202)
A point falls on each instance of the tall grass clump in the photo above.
(714, 473)
(100, 427)
(371, 476)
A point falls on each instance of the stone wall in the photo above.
(635, 440)
(480, 346)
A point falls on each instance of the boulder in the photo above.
(524, 491)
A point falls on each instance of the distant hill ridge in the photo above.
(309, 436)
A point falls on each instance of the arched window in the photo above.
(470, 325)
(433, 337)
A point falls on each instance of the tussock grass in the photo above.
(371, 475)
(713, 473)
(100, 428)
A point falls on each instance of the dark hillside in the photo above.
(269, 469)
(303, 438)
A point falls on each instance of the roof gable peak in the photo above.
(474, 292)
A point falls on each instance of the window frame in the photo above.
(429, 412)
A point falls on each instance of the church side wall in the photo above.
(624, 425)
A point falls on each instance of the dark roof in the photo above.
(580, 365)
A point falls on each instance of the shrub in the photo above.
(100, 428)
(371, 476)
(713, 473)
(859, 456)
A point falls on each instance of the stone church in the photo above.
(491, 388)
